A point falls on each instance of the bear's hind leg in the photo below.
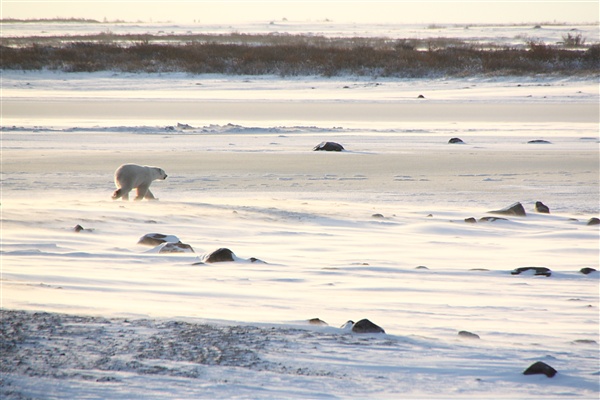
(121, 193)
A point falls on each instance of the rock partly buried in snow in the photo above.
(491, 219)
(78, 228)
(537, 271)
(470, 220)
(587, 270)
(539, 141)
(455, 140)
(225, 255)
(593, 221)
(219, 255)
(347, 326)
(328, 146)
(366, 326)
(468, 335)
(540, 367)
(541, 208)
(317, 321)
(154, 239)
(514, 209)
(178, 247)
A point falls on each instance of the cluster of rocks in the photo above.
(171, 244)
(517, 210)
(536, 271)
(333, 146)
(456, 140)
(165, 243)
(362, 326)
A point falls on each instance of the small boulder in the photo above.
(587, 270)
(225, 255)
(541, 208)
(455, 140)
(328, 146)
(514, 209)
(78, 228)
(470, 220)
(154, 239)
(219, 255)
(420, 96)
(538, 271)
(377, 215)
(491, 219)
(317, 321)
(593, 221)
(540, 367)
(366, 326)
(539, 141)
(178, 247)
(468, 335)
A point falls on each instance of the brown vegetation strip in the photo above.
(301, 56)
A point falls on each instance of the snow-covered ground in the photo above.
(508, 35)
(377, 231)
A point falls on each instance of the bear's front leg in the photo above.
(150, 196)
(141, 192)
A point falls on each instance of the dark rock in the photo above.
(317, 321)
(377, 215)
(587, 270)
(366, 326)
(539, 141)
(593, 221)
(420, 96)
(514, 209)
(220, 255)
(78, 228)
(421, 267)
(585, 341)
(468, 335)
(539, 271)
(154, 239)
(471, 220)
(328, 146)
(455, 140)
(541, 208)
(224, 255)
(176, 248)
(491, 219)
(540, 367)
(479, 269)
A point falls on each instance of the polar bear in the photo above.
(130, 176)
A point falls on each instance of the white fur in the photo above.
(132, 176)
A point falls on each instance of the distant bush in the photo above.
(573, 40)
(294, 55)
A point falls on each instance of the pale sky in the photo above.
(392, 11)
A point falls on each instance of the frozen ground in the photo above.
(508, 35)
(93, 314)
